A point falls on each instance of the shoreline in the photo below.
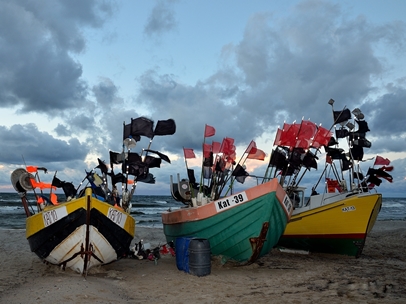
(376, 277)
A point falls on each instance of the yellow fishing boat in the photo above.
(80, 233)
(332, 222)
(93, 225)
(338, 218)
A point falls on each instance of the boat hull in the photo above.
(243, 231)
(339, 227)
(80, 234)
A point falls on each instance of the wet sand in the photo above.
(378, 276)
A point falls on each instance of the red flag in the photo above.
(206, 150)
(189, 153)
(306, 133)
(387, 168)
(215, 146)
(227, 146)
(31, 169)
(332, 185)
(381, 161)
(41, 185)
(259, 154)
(288, 136)
(321, 138)
(209, 131)
(252, 148)
(230, 158)
(277, 140)
(53, 198)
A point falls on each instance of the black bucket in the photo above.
(199, 257)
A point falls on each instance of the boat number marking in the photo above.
(347, 209)
(230, 201)
(117, 217)
(287, 203)
(54, 215)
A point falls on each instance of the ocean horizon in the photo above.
(147, 209)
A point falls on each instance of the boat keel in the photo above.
(258, 242)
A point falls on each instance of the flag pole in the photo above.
(201, 173)
(187, 171)
(241, 158)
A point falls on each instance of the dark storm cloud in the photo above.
(62, 130)
(387, 112)
(387, 120)
(299, 63)
(105, 92)
(194, 106)
(37, 147)
(37, 71)
(284, 69)
(94, 117)
(161, 20)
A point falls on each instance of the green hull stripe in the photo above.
(229, 232)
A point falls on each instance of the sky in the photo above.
(73, 71)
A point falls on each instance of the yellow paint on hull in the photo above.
(80, 234)
(36, 222)
(353, 215)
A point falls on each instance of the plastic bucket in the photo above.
(199, 257)
(182, 253)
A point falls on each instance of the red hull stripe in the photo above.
(326, 236)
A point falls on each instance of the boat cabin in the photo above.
(297, 197)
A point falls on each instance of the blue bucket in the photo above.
(182, 253)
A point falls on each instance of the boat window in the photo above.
(297, 199)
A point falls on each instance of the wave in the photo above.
(393, 205)
(161, 202)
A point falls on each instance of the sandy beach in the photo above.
(378, 276)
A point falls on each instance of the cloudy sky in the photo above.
(72, 71)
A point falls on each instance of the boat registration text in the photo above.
(230, 201)
(287, 203)
(53, 216)
(117, 217)
(347, 209)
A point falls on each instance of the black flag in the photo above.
(117, 178)
(165, 127)
(152, 162)
(127, 133)
(116, 158)
(142, 126)
(102, 166)
(342, 133)
(362, 126)
(341, 116)
(161, 155)
(68, 188)
(148, 178)
(240, 174)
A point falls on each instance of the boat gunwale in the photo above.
(190, 214)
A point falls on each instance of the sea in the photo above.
(147, 210)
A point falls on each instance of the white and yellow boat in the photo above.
(94, 225)
(79, 234)
(332, 222)
(338, 218)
